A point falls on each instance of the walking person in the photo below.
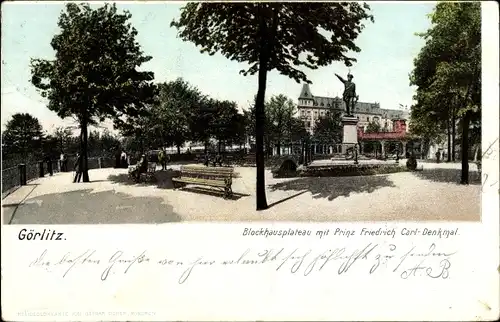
(78, 169)
(218, 160)
(161, 159)
(206, 162)
(123, 160)
(438, 156)
(140, 167)
(62, 162)
(167, 160)
(117, 159)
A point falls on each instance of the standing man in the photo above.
(63, 163)
(78, 170)
(161, 158)
(206, 161)
(123, 159)
(349, 96)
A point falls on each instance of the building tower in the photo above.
(306, 98)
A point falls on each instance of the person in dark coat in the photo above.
(78, 170)
(206, 162)
(117, 159)
(162, 159)
(218, 160)
(64, 162)
(141, 167)
(123, 159)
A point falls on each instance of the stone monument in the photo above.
(349, 122)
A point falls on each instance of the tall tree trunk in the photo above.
(260, 119)
(465, 148)
(260, 116)
(448, 129)
(278, 146)
(84, 160)
(453, 135)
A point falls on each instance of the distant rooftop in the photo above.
(361, 107)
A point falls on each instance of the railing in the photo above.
(16, 176)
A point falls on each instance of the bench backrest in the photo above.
(151, 166)
(211, 172)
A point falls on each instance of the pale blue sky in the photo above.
(388, 48)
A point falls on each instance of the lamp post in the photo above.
(356, 154)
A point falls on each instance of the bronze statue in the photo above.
(349, 97)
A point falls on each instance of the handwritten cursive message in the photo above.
(413, 262)
(490, 153)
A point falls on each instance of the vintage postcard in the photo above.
(249, 161)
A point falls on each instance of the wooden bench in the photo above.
(217, 177)
(149, 174)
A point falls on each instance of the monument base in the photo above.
(350, 135)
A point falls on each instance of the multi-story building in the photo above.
(311, 108)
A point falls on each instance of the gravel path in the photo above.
(429, 195)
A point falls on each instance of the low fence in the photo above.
(23, 173)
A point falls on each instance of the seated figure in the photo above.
(140, 167)
(217, 160)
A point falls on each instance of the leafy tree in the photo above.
(224, 125)
(298, 130)
(202, 115)
(175, 112)
(274, 36)
(109, 143)
(298, 133)
(63, 136)
(50, 147)
(328, 129)
(23, 135)
(373, 127)
(447, 72)
(94, 74)
(279, 111)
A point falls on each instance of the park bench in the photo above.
(216, 177)
(149, 174)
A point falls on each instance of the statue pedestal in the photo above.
(350, 137)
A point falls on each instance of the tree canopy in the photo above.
(94, 74)
(328, 129)
(447, 73)
(373, 127)
(23, 134)
(274, 36)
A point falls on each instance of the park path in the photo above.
(429, 195)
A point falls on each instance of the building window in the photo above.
(367, 119)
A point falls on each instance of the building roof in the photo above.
(361, 107)
(306, 92)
